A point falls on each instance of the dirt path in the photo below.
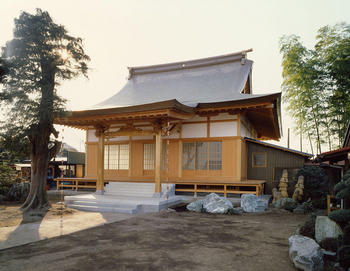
(166, 241)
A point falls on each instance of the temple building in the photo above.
(180, 123)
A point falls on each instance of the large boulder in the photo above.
(305, 253)
(326, 228)
(195, 206)
(285, 203)
(212, 203)
(253, 204)
(216, 205)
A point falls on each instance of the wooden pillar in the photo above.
(158, 186)
(100, 161)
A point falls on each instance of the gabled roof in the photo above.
(278, 147)
(177, 91)
(207, 80)
(336, 155)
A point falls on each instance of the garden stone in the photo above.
(285, 203)
(252, 204)
(326, 228)
(299, 210)
(305, 253)
(195, 206)
(237, 211)
(216, 205)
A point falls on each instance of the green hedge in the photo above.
(340, 216)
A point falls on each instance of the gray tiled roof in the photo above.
(209, 80)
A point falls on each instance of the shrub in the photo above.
(342, 189)
(319, 203)
(308, 228)
(340, 216)
(315, 184)
(307, 206)
(344, 256)
(8, 177)
(346, 236)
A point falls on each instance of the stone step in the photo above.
(98, 208)
(104, 204)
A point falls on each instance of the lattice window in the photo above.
(113, 157)
(148, 156)
(124, 156)
(202, 155)
(116, 157)
(215, 155)
(188, 155)
(106, 157)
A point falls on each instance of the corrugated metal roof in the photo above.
(277, 147)
(208, 80)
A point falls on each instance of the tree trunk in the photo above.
(37, 198)
(39, 139)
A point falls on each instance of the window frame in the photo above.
(265, 160)
(208, 156)
(107, 161)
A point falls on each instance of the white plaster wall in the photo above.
(119, 138)
(91, 136)
(221, 129)
(224, 116)
(194, 130)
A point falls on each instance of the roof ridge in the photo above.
(188, 64)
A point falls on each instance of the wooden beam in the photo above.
(100, 163)
(158, 186)
(130, 133)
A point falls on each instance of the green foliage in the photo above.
(340, 216)
(290, 205)
(346, 235)
(308, 207)
(3, 69)
(308, 228)
(342, 189)
(316, 84)
(8, 177)
(315, 185)
(15, 147)
(40, 56)
(344, 256)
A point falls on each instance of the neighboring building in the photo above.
(267, 161)
(68, 163)
(336, 162)
(180, 123)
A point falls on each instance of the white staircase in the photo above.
(137, 189)
(126, 198)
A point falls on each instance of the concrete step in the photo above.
(99, 208)
(135, 189)
(104, 204)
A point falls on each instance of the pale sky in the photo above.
(118, 34)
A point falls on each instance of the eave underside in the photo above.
(262, 113)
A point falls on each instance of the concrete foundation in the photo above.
(126, 198)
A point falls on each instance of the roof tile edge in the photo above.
(195, 63)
